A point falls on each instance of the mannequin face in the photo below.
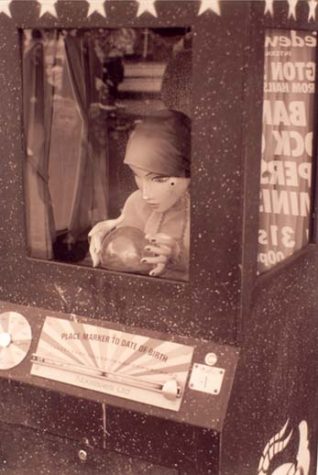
(160, 192)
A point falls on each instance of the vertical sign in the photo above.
(288, 110)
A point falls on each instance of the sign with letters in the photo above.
(113, 362)
(286, 166)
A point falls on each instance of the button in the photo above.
(210, 359)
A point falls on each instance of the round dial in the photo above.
(15, 339)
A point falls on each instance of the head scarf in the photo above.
(161, 144)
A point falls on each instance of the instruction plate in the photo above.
(206, 379)
(113, 362)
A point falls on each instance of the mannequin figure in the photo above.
(158, 153)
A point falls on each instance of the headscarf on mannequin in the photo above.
(161, 144)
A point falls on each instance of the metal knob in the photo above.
(5, 339)
(82, 455)
(171, 389)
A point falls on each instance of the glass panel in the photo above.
(288, 110)
(107, 128)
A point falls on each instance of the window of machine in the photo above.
(107, 117)
(287, 145)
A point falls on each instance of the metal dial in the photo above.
(15, 339)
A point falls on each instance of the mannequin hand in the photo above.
(164, 248)
(97, 235)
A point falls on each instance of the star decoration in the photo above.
(146, 6)
(213, 5)
(48, 6)
(292, 8)
(312, 9)
(269, 5)
(96, 6)
(4, 7)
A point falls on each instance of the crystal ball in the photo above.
(122, 250)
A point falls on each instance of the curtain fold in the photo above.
(37, 101)
(66, 167)
(89, 203)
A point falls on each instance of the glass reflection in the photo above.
(84, 93)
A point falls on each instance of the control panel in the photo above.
(182, 377)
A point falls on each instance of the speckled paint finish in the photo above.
(51, 454)
(272, 318)
(213, 294)
(276, 379)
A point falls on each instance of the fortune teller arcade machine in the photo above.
(159, 255)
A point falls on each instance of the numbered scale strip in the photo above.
(171, 389)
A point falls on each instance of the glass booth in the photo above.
(158, 285)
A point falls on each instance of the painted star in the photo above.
(4, 7)
(292, 8)
(48, 6)
(269, 5)
(96, 6)
(312, 9)
(146, 6)
(213, 5)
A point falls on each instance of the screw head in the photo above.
(82, 455)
